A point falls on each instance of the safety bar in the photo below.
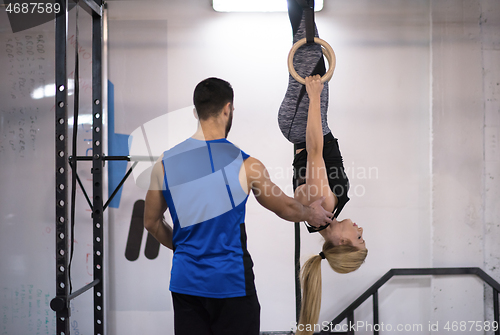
(373, 292)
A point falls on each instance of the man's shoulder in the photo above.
(224, 145)
(254, 167)
(252, 160)
(194, 149)
(243, 153)
(184, 146)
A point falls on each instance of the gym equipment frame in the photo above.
(61, 303)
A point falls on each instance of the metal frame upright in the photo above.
(61, 303)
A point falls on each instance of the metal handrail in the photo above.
(373, 291)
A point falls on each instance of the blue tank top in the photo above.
(207, 205)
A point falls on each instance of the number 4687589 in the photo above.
(33, 8)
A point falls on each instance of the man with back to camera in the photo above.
(205, 182)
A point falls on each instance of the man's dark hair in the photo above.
(210, 96)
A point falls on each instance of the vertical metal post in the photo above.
(298, 290)
(375, 312)
(97, 167)
(496, 311)
(61, 144)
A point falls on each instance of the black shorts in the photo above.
(211, 316)
(337, 178)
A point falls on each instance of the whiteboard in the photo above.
(27, 182)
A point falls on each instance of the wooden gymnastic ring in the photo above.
(327, 51)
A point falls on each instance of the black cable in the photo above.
(298, 289)
(74, 145)
(308, 8)
(320, 68)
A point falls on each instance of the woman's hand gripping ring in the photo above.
(327, 51)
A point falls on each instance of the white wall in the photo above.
(380, 111)
(458, 126)
(408, 76)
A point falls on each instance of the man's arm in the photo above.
(272, 197)
(155, 207)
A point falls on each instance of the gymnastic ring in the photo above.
(327, 51)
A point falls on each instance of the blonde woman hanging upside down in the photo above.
(318, 170)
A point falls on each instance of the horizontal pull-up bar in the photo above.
(119, 158)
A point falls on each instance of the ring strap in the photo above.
(309, 17)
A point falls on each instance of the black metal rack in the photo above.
(373, 292)
(61, 303)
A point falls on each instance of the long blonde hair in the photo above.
(342, 259)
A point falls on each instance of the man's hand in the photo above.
(319, 216)
(272, 197)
